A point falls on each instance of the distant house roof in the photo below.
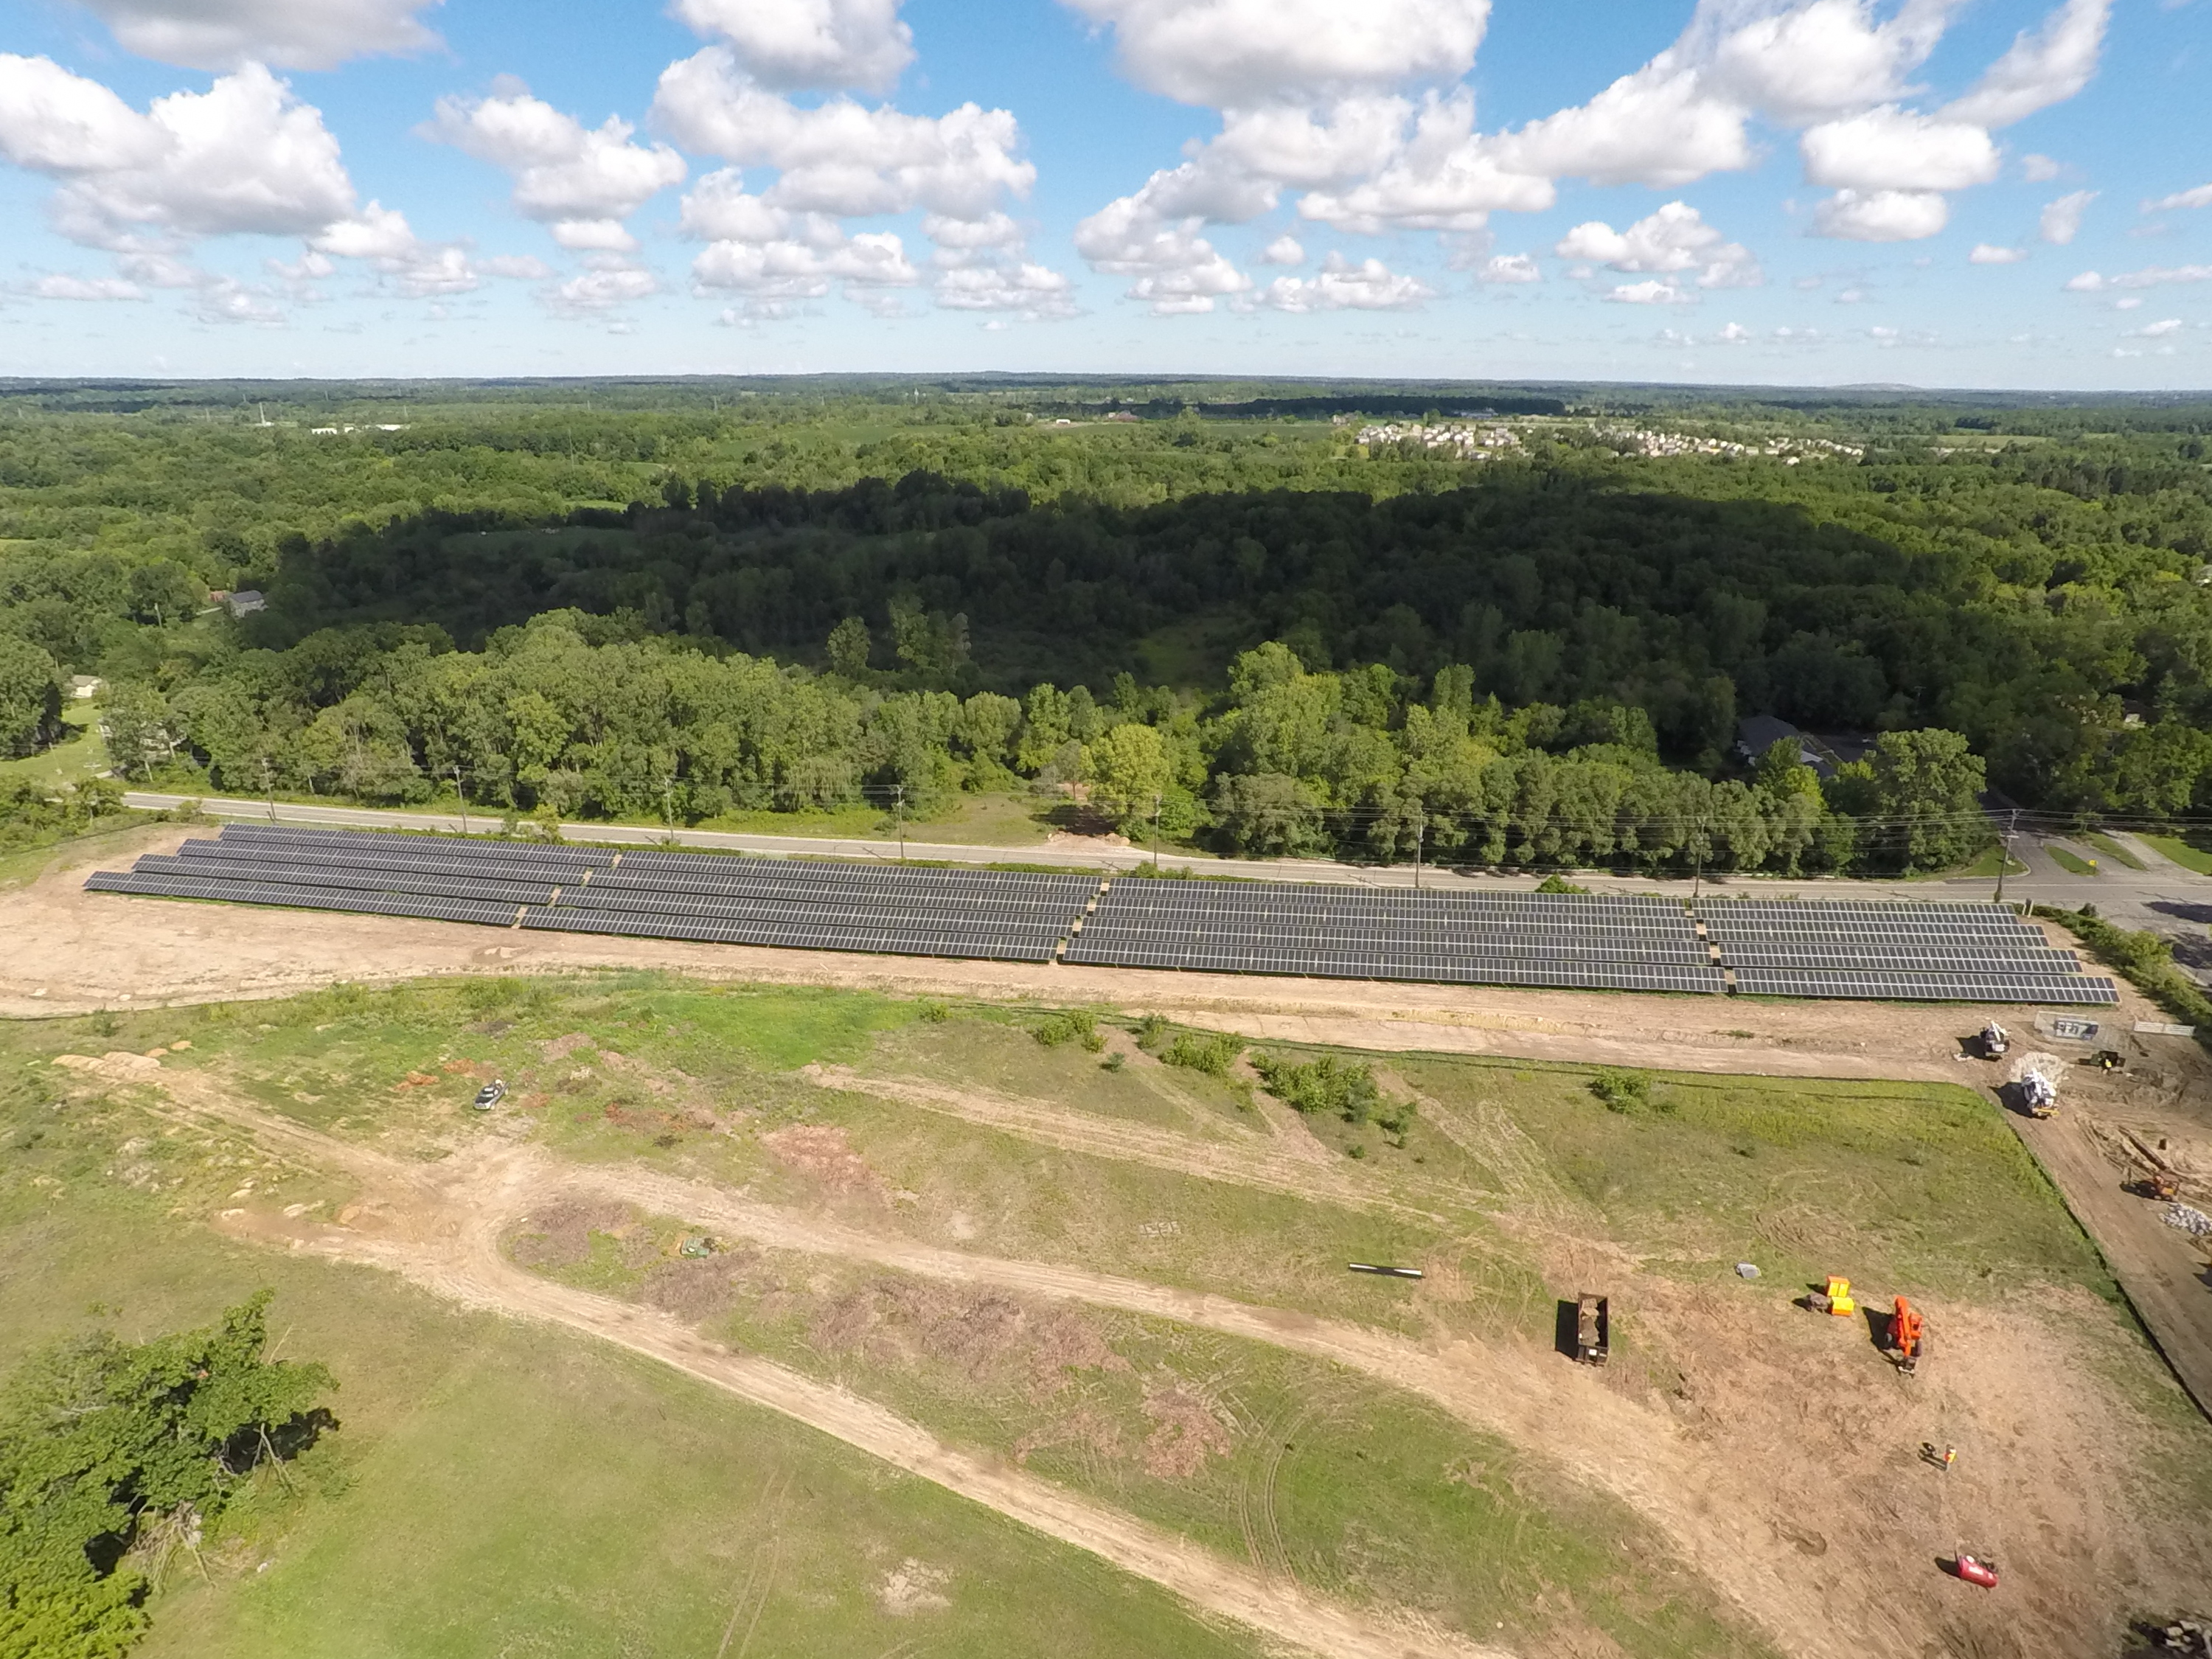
(85, 686)
(1755, 736)
(245, 601)
(1760, 732)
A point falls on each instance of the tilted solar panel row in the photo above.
(367, 858)
(815, 915)
(706, 930)
(305, 898)
(1461, 948)
(858, 890)
(2070, 990)
(2052, 963)
(1443, 971)
(1846, 932)
(432, 845)
(1438, 916)
(1734, 906)
(490, 892)
(1232, 895)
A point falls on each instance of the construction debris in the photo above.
(2189, 1220)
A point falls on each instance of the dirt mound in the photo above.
(824, 1155)
(559, 1234)
(1185, 1427)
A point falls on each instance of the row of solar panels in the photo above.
(1642, 943)
(1555, 973)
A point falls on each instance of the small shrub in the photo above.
(1560, 884)
(1327, 1085)
(1355, 1150)
(936, 1013)
(1071, 1025)
(1152, 1033)
(1628, 1092)
(1211, 1052)
(1112, 1062)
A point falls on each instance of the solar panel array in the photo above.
(1900, 952)
(1856, 949)
(1627, 944)
(808, 904)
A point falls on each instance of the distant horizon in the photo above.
(2012, 195)
(1044, 379)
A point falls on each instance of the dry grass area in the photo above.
(1062, 1272)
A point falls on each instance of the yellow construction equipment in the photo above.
(1836, 1299)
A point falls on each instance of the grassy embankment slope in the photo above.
(501, 1488)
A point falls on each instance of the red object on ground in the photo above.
(1976, 1573)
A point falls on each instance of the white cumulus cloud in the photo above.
(581, 180)
(1988, 254)
(382, 238)
(1651, 293)
(1238, 54)
(1676, 238)
(1510, 268)
(60, 286)
(795, 44)
(223, 35)
(1283, 251)
(1882, 215)
(2200, 197)
(1892, 148)
(2062, 219)
(1340, 285)
(2044, 67)
(2157, 331)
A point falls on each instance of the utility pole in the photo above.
(668, 807)
(902, 821)
(1420, 834)
(269, 788)
(1155, 832)
(2012, 829)
(460, 798)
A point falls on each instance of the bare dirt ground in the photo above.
(1778, 1463)
(439, 1225)
(73, 951)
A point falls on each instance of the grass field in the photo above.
(78, 756)
(493, 1488)
(2111, 848)
(2069, 860)
(496, 1488)
(2185, 853)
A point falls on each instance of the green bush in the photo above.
(1329, 1084)
(1071, 1025)
(1628, 1092)
(1560, 884)
(1211, 1052)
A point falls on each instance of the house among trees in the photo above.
(1760, 732)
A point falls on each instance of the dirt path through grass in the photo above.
(439, 1225)
(1268, 1164)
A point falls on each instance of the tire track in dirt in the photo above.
(1735, 1533)
(442, 1233)
(1264, 1165)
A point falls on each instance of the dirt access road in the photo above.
(72, 952)
(1738, 1511)
(439, 1226)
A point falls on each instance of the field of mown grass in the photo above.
(493, 1488)
(496, 1489)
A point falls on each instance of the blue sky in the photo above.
(1938, 192)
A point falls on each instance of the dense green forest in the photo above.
(1228, 613)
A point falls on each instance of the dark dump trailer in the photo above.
(1593, 1328)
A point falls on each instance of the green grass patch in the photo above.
(2184, 851)
(2112, 847)
(1920, 1184)
(1365, 1495)
(2070, 861)
(1984, 868)
(496, 1488)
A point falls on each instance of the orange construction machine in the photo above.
(1908, 1336)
